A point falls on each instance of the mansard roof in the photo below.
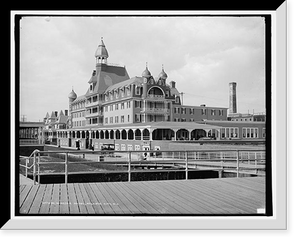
(134, 80)
(106, 76)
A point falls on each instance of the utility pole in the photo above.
(23, 118)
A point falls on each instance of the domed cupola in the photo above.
(72, 96)
(162, 74)
(146, 73)
(101, 53)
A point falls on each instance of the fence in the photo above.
(233, 161)
(30, 141)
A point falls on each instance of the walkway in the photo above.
(24, 180)
(209, 196)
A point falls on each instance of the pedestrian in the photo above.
(77, 144)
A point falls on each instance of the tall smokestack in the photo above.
(232, 98)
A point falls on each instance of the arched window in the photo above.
(106, 134)
(101, 134)
(146, 134)
(156, 91)
(111, 134)
(124, 134)
(137, 134)
(117, 134)
(130, 134)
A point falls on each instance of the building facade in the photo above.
(133, 113)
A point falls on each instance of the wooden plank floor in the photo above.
(192, 197)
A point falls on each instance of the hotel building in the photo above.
(135, 113)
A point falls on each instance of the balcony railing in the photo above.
(88, 115)
(156, 110)
(155, 97)
(90, 104)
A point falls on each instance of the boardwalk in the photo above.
(197, 197)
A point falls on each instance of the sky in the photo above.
(201, 54)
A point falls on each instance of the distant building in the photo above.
(30, 132)
(52, 123)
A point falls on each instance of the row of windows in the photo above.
(118, 106)
(78, 123)
(183, 119)
(78, 114)
(117, 94)
(191, 111)
(247, 132)
(116, 119)
(242, 119)
(78, 105)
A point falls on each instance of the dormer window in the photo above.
(167, 93)
(128, 91)
(137, 90)
(91, 88)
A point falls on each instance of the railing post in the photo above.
(186, 166)
(66, 168)
(38, 167)
(237, 163)
(26, 168)
(248, 157)
(255, 161)
(222, 161)
(129, 166)
(34, 168)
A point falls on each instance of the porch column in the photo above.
(175, 134)
(133, 130)
(126, 133)
(207, 131)
(190, 134)
(219, 136)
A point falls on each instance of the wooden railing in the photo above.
(233, 161)
(30, 141)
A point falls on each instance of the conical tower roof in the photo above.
(101, 51)
(146, 73)
(72, 95)
(162, 74)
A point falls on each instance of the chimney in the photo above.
(232, 98)
(66, 112)
(172, 83)
(55, 113)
